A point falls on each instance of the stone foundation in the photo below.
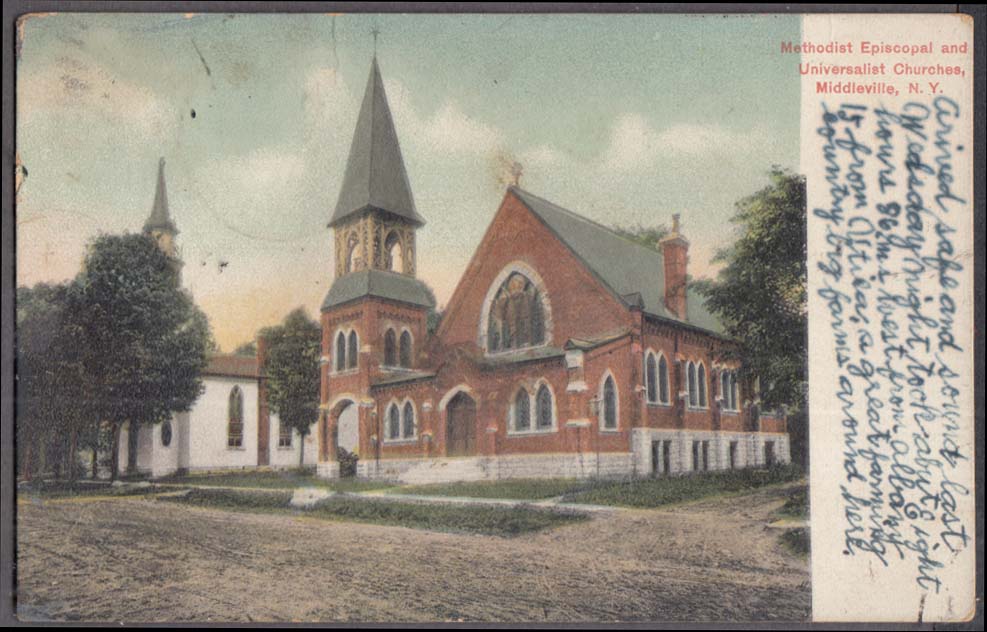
(713, 450)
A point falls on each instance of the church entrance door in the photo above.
(461, 426)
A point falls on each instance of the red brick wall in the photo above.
(580, 306)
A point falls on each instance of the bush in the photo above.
(347, 462)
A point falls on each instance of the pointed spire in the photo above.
(375, 176)
(160, 218)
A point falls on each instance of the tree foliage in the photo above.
(292, 368)
(760, 294)
(144, 341)
(647, 236)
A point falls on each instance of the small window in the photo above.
(701, 373)
(341, 352)
(354, 254)
(651, 377)
(522, 410)
(405, 352)
(408, 430)
(352, 349)
(544, 403)
(234, 428)
(693, 393)
(284, 435)
(393, 422)
(395, 254)
(166, 433)
(390, 348)
(663, 380)
(609, 404)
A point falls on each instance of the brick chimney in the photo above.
(675, 249)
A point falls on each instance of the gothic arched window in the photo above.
(522, 410)
(543, 403)
(352, 351)
(609, 404)
(701, 376)
(728, 389)
(395, 253)
(341, 352)
(354, 253)
(516, 317)
(234, 414)
(663, 380)
(408, 421)
(390, 348)
(693, 393)
(651, 378)
(404, 358)
(393, 422)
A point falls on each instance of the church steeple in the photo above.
(375, 176)
(375, 218)
(159, 225)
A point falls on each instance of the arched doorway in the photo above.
(461, 425)
(345, 443)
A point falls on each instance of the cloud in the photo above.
(636, 145)
(74, 86)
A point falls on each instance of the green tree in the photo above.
(292, 368)
(761, 297)
(248, 349)
(144, 339)
(647, 236)
(51, 409)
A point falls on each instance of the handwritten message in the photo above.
(890, 286)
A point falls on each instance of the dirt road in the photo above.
(138, 560)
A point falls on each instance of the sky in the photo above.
(625, 119)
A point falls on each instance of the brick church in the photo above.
(566, 350)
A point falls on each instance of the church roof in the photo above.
(231, 365)
(633, 273)
(378, 283)
(160, 218)
(375, 176)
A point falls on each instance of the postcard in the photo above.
(494, 318)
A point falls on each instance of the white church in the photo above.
(230, 425)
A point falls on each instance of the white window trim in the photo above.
(699, 405)
(533, 411)
(526, 270)
(333, 371)
(601, 413)
(725, 396)
(668, 386)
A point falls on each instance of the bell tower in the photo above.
(375, 219)
(159, 225)
(374, 317)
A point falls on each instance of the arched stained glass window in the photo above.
(390, 348)
(693, 392)
(516, 318)
(701, 376)
(408, 421)
(405, 350)
(543, 401)
(341, 352)
(522, 410)
(393, 422)
(234, 428)
(609, 404)
(651, 377)
(663, 380)
(352, 351)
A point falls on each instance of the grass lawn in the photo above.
(501, 521)
(287, 479)
(517, 489)
(65, 489)
(646, 493)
